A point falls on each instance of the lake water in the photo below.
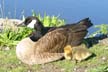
(70, 10)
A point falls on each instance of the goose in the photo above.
(50, 47)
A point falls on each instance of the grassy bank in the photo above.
(98, 63)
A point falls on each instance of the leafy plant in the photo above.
(10, 37)
(103, 29)
(49, 20)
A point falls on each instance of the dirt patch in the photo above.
(50, 68)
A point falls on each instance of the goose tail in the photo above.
(87, 22)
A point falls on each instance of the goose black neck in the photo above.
(38, 26)
(33, 39)
(36, 35)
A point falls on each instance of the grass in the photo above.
(10, 63)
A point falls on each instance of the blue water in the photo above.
(70, 10)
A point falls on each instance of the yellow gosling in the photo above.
(68, 52)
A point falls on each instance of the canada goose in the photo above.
(50, 47)
(77, 53)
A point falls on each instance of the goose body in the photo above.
(50, 47)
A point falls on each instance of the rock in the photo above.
(11, 23)
(104, 42)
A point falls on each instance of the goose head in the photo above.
(32, 22)
(37, 25)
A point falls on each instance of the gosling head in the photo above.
(68, 52)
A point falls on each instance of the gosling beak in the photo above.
(21, 24)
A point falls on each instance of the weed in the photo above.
(49, 20)
(103, 29)
(10, 37)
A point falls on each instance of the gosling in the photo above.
(77, 53)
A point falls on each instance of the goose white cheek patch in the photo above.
(31, 25)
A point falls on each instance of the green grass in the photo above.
(10, 63)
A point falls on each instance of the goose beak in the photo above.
(21, 24)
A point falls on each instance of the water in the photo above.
(70, 10)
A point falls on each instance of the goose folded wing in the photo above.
(53, 41)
